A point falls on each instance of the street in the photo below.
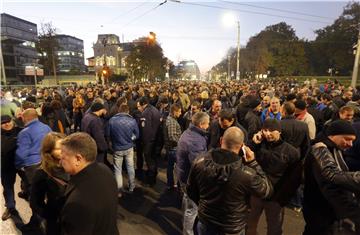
(150, 211)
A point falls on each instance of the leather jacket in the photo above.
(220, 184)
(329, 186)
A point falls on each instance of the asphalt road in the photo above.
(150, 211)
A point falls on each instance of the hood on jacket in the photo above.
(223, 161)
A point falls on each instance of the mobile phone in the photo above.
(243, 150)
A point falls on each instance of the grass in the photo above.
(345, 80)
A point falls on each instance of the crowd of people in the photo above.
(233, 150)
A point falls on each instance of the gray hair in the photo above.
(81, 143)
(199, 118)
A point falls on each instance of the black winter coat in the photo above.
(296, 133)
(220, 184)
(8, 148)
(252, 123)
(47, 197)
(94, 126)
(329, 187)
(91, 202)
(275, 158)
(216, 132)
(150, 124)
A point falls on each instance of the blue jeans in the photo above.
(190, 213)
(129, 161)
(206, 229)
(171, 157)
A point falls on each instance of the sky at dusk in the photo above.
(187, 30)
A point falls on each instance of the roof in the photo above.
(14, 17)
(67, 36)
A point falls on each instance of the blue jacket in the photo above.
(122, 130)
(29, 143)
(268, 114)
(191, 143)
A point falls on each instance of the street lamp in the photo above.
(229, 19)
(238, 52)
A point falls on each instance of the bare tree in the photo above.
(47, 46)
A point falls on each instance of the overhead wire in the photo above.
(275, 9)
(129, 11)
(246, 11)
(145, 13)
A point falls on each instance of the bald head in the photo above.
(233, 139)
(29, 115)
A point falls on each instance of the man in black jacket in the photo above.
(91, 195)
(296, 133)
(219, 183)
(9, 134)
(149, 133)
(218, 127)
(252, 121)
(94, 126)
(293, 131)
(329, 186)
(275, 157)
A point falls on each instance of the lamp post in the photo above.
(229, 64)
(238, 52)
(356, 62)
(229, 20)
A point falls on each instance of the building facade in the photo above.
(110, 52)
(70, 54)
(188, 70)
(18, 38)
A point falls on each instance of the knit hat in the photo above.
(340, 127)
(290, 97)
(300, 104)
(355, 97)
(251, 101)
(96, 107)
(5, 119)
(272, 125)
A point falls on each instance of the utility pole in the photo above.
(35, 76)
(229, 67)
(238, 52)
(356, 62)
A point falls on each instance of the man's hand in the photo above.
(249, 154)
(257, 138)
